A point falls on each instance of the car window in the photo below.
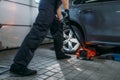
(76, 2)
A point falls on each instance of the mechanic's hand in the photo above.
(66, 16)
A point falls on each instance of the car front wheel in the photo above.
(70, 42)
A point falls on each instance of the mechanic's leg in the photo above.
(29, 45)
(35, 36)
(57, 33)
(26, 51)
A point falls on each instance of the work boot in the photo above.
(63, 57)
(21, 70)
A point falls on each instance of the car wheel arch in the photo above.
(81, 28)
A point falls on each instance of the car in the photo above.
(95, 22)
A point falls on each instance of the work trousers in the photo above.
(42, 25)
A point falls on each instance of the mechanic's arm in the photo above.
(66, 7)
(59, 13)
(65, 4)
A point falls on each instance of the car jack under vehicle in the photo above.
(86, 53)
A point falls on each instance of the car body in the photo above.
(97, 21)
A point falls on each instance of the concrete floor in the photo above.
(49, 68)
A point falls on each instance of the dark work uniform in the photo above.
(45, 20)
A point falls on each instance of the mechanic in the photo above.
(44, 21)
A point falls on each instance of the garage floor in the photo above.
(49, 68)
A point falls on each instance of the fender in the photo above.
(75, 20)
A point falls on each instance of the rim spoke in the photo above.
(74, 40)
(70, 45)
(70, 34)
(65, 36)
(65, 41)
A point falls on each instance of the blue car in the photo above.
(95, 22)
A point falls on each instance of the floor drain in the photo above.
(3, 69)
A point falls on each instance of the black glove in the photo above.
(60, 21)
(67, 16)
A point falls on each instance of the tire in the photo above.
(70, 42)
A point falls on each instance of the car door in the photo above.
(101, 19)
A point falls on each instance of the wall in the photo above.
(16, 18)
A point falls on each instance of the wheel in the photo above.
(70, 42)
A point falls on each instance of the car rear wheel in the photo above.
(70, 42)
